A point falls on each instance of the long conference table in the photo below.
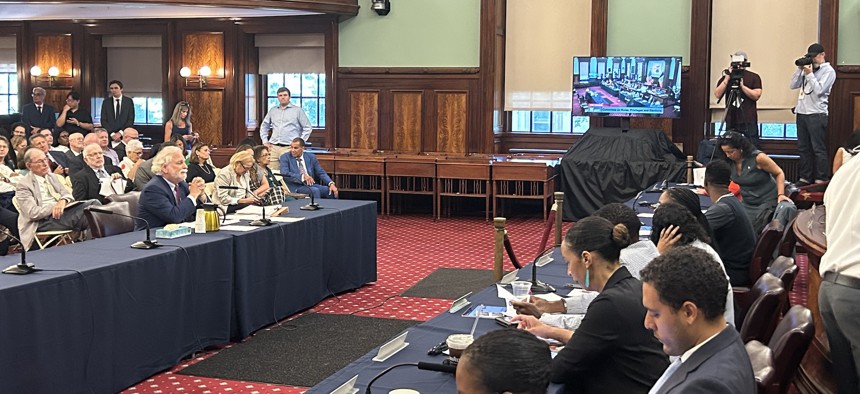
(102, 316)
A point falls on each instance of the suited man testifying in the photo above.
(117, 111)
(38, 114)
(684, 291)
(87, 183)
(42, 201)
(167, 198)
(303, 173)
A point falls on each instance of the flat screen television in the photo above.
(627, 86)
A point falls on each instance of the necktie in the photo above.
(39, 108)
(666, 375)
(116, 109)
(176, 193)
(302, 169)
(50, 189)
(102, 173)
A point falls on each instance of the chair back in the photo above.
(785, 269)
(760, 319)
(761, 358)
(790, 341)
(764, 248)
(789, 239)
(131, 198)
(104, 225)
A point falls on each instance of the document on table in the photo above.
(285, 219)
(237, 227)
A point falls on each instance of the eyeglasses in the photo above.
(42, 161)
(247, 167)
(94, 154)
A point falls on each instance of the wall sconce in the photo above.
(202, 74)
(382, 7)
(53, 72)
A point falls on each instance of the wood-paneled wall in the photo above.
(409, 110)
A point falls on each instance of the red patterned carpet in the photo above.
(408, 249)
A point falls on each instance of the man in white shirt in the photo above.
(840, 273)
(684, 292)
(286, 122)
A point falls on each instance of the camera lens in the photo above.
(803, 61)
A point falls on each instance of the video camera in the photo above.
(737, 71)
(803, 61)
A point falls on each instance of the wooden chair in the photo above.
(104, 225)
(761, 317)
(786, 348)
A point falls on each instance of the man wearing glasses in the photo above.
(74, 119)
(87, 183)
(44, 204)
(38, 114)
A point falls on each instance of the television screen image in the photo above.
(627, 86)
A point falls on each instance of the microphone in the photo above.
(312, 206)
(659, 187)
(421, 365)
(22, 268)
(257, 222)
(538, 286)
(146, 244)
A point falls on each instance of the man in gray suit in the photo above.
(684, 291)
(44, 204)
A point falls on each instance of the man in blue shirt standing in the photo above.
(815, 81)
(282, 125)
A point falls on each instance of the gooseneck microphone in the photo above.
(22, 268)
(538, 286)
(421, 365)
(263, 221)
(145, 244)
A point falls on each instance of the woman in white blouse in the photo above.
(236, 177)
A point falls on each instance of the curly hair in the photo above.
(617, 213)
(737, 140)
(673, 214)
(596, 234)
(690, 200)
(510, 360)
(688, 274)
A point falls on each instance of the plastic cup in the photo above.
(521, 289)
(457, 343)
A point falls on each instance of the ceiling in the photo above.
(96, 11)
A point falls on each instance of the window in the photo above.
(307, 91)
(766, 131)
(8, 89)
(548, 122)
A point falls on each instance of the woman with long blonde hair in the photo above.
(180, 124)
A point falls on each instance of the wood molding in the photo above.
(828, 28)
(695, 87)
(599, 26)
(408, 70)
(492, 72)
(847, 70)
(339, 7)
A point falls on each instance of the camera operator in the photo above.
(741, 88)
(814, 77)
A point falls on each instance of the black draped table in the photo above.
(112, 316)
(426, 335)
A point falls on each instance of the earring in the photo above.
(587, 279)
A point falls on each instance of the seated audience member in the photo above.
(9, 222)
(610, 352)
(840, 272)
(7, 173)
(673, 226)
(76, 163)
(167, 198)
(104, 142)
(178, 142)
(761, 180)
(566, 313)
(133, 158)
(198, 163)
(19, 145)
(42, 200)
(504, 361)
(19, 129)
(76, 146)
(87, 183)
(40, 142)
(237, 174)
(62, 144)
(303, 173)
(144, 170)
(129, 134)
(278, 190)
(733, 231)
(690, 200)
(847, 151)
(683, 291)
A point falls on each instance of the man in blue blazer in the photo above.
(303, 174)
(684, 291)
(167, 198)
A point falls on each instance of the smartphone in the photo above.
(505, 321)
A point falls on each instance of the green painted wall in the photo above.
(649, 28)
(849, 32)
(417, 33)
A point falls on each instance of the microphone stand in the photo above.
(23, 267)
(263, 221)
(538, 286)
(148, 243)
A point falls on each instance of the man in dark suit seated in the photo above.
(733, 231)
(303, 173)
(39, 142)
(76, 162)
(684, 291)
(87, 183)
(38, 115)
(167, 198)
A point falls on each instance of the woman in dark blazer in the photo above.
(611, 351)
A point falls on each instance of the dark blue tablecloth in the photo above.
(424, 336)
